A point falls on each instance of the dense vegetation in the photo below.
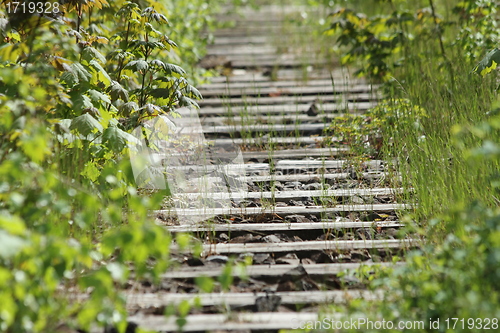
(73, 83)
(436, 60)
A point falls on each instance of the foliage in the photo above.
(435, 75)
(48, 228)
(488, 63)
(449, 158)
(478, 26)
(374, 40)
(357, 131)
(365, 133)
(456, 278)
(73, 83)
(378, 43)
(190, 24)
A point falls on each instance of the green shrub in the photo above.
(365, 133)
(457, 276)
(449, 158)
(71, 221)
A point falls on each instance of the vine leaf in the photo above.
(488, 63)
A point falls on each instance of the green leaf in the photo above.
(12, 224)
(489, 149)
(116, 91)
(193, 92)
(152, 31)
(168, 41)
(160, 93)
(137, 65)
(80, 102)
(117, 139)
(118, 271)
(169, 80)
(226, 277)
(157, 63)
(70, 78)
(86, 124)
(91, 171)
(181, 322)
(170, 69)
(89, 53)
(99, 97)
(184, 307)
(141, 44)
(182, 240)
(488, 63)
(102, 74)
(186, 101)
(151, 109)
(127, 108)
(152, 14)
(81, 72)
(34, 144)
(205, 283)
(129, 9)
(119, 55)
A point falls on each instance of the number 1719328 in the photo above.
(472, 323)
(31, 7)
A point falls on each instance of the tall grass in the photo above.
(439, 80)
(455, 273)
(427, 155)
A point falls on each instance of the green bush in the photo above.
(365, 133)
(457, 276)
(72, 85)
(449, 158)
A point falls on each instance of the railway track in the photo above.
(309, 212)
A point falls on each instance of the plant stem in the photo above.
(147, 52)
(79, 21)
(120, 64)
(441, 44)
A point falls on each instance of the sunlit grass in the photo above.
(427, 157)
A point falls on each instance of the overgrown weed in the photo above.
(449, 157)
